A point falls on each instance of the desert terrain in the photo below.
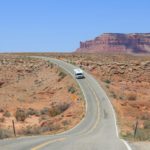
(38, 96)
(126, 79)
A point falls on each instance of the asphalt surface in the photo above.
(97, 130)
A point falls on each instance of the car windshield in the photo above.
(79, 74)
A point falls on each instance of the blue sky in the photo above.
(59, 25)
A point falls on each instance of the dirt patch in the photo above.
(141, 146)
(35, 94)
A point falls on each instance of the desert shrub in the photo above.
(145, 116)
(20, 115)
(2, 119)
(7, 114)
(1, 83)
(43, 117)
(71, 89)
(62, 74)
(121, 97)
(132, 97)
(51, 65)
(72, 62)
(127, 135)
(65, 122)
(31, 130)
(1, 110)
(45, 128)
(58, 109)
(55, 127)
(107, 81)
(142, 135)
(147, 124)
(50, 127)
(45, 111)
(4, 133)
(113, 94)
(107, 86)
(20, 100)
(32, 111)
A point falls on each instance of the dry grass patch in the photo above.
(132, 96)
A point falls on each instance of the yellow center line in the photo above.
(83, 133)
(47, 143)
(98, 111)
(98, 116)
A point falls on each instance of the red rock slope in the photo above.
(117, 42)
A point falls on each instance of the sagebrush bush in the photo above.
(5, 133)
(43, 117)
(143, 135)
(32, 111)
(7, 114)
(58, 109)
(145, 116)
(49, 126)
(71, 89)
(45, 111)
(113, 94)
(2, 119)
(1, 110)
(20, 115)
(62, 74)
(65, 122)
(107, 81)
(132, 97)
(51, 65)
(31, 130)
(147, 124)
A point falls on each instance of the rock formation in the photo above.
(117, 42)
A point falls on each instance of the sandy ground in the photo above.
(141, 145)
(38, 96)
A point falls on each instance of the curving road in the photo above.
(97, 131)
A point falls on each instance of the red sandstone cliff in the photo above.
(116, 42)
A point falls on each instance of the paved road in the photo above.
(97, 131)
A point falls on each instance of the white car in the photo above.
(79, 73)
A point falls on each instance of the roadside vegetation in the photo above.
(41, 97)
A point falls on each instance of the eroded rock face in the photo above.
(116, 42)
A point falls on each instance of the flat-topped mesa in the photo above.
(117, 42)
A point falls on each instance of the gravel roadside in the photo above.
(141, 146)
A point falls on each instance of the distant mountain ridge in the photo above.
(117, 42)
